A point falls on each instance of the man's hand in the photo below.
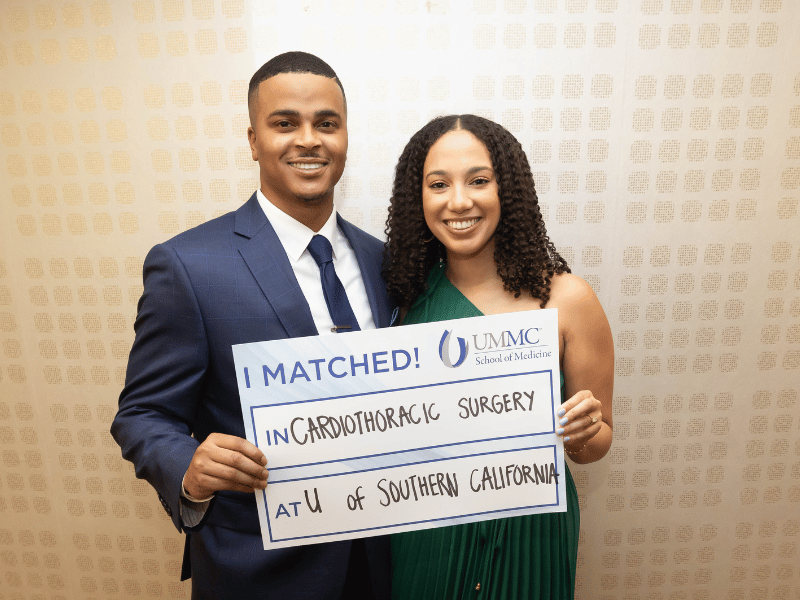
(225, 462)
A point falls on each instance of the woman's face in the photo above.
(459, 195)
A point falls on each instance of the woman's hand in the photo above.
(579, 419)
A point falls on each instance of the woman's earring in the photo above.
(428, 241)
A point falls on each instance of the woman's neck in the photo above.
(473, 272)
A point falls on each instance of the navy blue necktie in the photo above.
(335, 297)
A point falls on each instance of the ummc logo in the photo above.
(444, 350)
(506, 339)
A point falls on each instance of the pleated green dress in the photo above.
(529, 557)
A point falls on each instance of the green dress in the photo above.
(533, 556)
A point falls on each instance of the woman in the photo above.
(466, 238)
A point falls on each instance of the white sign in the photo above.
(405, 428)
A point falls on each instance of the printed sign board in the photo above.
(389, 430)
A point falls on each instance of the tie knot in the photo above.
(320, 248)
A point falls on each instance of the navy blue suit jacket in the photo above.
(226, 282)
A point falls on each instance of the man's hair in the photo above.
(290, 62)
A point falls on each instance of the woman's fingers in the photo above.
(582, 432)
(573, 402)
(580, 417)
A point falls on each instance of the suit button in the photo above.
(165, 505)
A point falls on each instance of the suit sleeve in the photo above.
(167, 363)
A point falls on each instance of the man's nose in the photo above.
(307, 136)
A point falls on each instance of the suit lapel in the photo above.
(265, 257)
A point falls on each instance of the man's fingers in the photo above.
(236, 477)
(240, 462)
(219, 476)
(234, 452)
(229, 465)
(225, 462)
(238, 467)
(240, 445)
(216, 484)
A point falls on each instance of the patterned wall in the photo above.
(665, 140)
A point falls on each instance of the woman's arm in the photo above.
(588, 367)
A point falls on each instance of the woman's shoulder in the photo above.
(567, 289)
(579, 309)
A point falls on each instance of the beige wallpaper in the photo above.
(665, 140)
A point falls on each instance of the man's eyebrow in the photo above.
(327, 112)
(287, 112)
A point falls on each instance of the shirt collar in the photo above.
(293, 235)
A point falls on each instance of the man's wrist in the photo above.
(188, 496)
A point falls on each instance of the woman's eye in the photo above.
(480, 181)
(437, 185)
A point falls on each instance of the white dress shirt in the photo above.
(295, 237)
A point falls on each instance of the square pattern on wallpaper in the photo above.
(664, 137)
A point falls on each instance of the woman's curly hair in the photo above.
(526, 258)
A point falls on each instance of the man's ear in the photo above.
(251, 138)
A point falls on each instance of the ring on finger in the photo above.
(594, 419)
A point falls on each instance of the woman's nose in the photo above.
(460, 201)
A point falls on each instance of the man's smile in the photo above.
(307, 166)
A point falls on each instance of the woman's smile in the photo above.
(463, 224)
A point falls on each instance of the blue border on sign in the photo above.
(348, 531)
(404, 389)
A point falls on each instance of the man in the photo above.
(254, 274)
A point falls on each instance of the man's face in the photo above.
(299, 138)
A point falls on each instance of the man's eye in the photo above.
(327, 124)
(284, 124)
